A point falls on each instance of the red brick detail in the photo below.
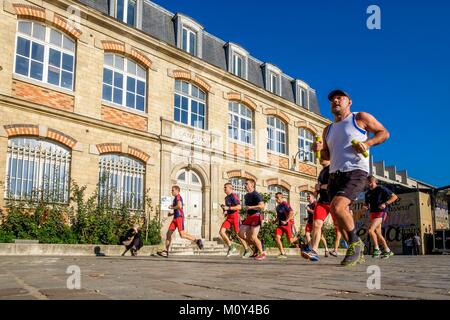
(124, 118)
(61, 138)
(201, 83)
(302, 124)
(241, 174)
(113, 46)
(279, 161)
(29, 11)
(276, 113)
(142, 58)
(139, 154)
(109, 148)
(239, 150)
(278, 182)
(305, 188)
(308, 169)
(186, 75)
(66, 26)
(234, 96)
(13, 130)
(44, 96)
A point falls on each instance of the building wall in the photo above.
(82, 115)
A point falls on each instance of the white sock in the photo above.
(377, 248)
(387, 250)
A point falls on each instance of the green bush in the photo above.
(82, 221)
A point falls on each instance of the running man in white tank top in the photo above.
(348, 168)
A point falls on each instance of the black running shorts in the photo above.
(347, 184)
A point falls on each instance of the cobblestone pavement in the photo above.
(192, 277)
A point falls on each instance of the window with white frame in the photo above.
(124, 10)
(189, 43)
(37, 170)
(190, 105)
(121, 182)
(124, 82)
(240, 122)
(238, 65)
(44, 54)
(274, 189)
(303, 204)
(305, 142)
(239, 188)
(303, 97)
(276, 130)
(274, 83)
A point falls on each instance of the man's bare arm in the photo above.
(371, 124)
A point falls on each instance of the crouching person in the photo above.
(133, 240)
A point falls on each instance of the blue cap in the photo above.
(337, 92)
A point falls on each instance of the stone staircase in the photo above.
(186, 248)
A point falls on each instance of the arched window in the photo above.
(273, 189)
(124, 82)
(121, 181)
(239, 187)
(240, 122)
(190, 105)
(276, 130)
(305, 142)
(44, 54)
(37, 170)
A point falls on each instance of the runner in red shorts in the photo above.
(285, 220)
(231, 209)
(249, 230)
(377, 200)
(177, 223)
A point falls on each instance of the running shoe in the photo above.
(387, 255)
(282, 256)
(164, 253)
(354, 254)
(246, 254)
(199, 243)
(333, 253)
(311, 255)
(376, 253)
(260, 257)
(231, 250)
(304, 252)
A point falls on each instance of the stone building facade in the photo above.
(128, 95)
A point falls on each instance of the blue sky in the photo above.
(400, 74)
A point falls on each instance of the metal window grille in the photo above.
(121, 182)
(37, 170)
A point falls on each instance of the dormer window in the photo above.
(189, 42)
(237, 60)
(189, 35)
(125, 11)
(301, 94)
(272, 79)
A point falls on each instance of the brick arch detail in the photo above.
(234, 96)
(14, 130)
(278, 182)
(136, 55)
(241, 174)
(117, 148)
(302, 125)
(277, 113)
(25, 11)
(198, 81)
(305, 188)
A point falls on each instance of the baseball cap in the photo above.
(337, 92)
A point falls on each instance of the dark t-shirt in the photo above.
(324, 176)
(283, 210)
(178, 213)
(252, 199)
(232, 200)
(376, 197)
(311, 206)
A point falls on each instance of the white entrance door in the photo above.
(191, 192)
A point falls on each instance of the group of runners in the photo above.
(343, 153)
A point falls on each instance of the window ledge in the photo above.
(274, 153)
(43, 85)
(122, 108)
(240, 143)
